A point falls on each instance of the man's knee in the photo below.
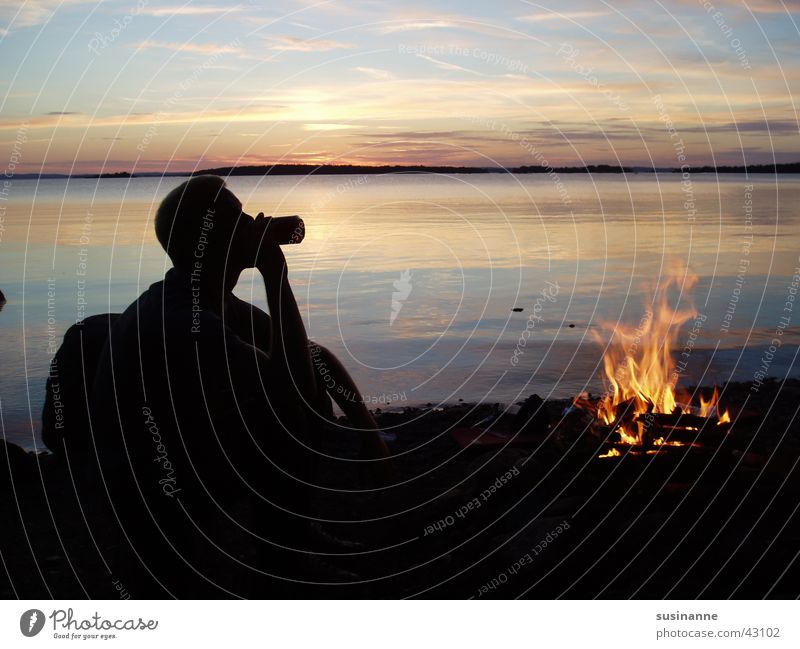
(319, 352)
(325, 366)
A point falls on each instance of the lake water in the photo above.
(463, 250)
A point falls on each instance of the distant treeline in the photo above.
(116, 174)
(279, 170)
(589, 169)
(307, 170)
(785, 168)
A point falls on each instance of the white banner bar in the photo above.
(399, 624)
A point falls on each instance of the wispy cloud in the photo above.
(295, 44)
(414, 136)
(376, 73)
(775, 126)
(81, 120)
(187, 10)
(29, 13)
(194, 48)
(444, 65)
(404, 24)
(566, 15)
(773, 6)
(328, 127)
(304, 26)
(414, 25)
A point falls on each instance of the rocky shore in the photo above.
(546, 518)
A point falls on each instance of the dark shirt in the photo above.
(187, 406)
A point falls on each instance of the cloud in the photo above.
(304, 26)
(416, 136)
(328, 127)
(415, 25)
(773, 6)
(448, 66)
(29, 13)
(567, 15)
(295, 44)
(774, 127)
(195, 48)
(307, 157)
(81, 120)
(403, 24)
(399, 154)
(186, 10)
(63, 112)
(376, 73)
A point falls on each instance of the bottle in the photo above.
(281, 229)
(286, 229)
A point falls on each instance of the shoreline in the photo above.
(778, 169)
(431, 519)
(393, 408)
(447, 513)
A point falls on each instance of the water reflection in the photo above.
(475, 247)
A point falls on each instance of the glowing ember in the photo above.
(640, 372)
(660, 441)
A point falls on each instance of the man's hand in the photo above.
(269, 258)
(289, 343)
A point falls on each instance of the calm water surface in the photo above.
(459, 252)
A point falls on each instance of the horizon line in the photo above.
(331, 169)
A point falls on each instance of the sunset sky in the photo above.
(151, 86)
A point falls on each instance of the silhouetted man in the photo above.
(202, 400)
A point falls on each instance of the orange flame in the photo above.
(640, 371)
(710, 408)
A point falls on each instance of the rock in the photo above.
(493, 463)
(17, 464)
(488, 467)
(522, 557)
(532, 416)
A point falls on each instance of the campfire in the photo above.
(643, 409)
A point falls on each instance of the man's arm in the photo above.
(288, 339)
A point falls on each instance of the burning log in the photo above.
(657, 429)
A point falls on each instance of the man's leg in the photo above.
(335, 380)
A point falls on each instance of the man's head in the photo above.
(197, 221)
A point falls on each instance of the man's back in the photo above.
(187, 419)
(165, 391)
